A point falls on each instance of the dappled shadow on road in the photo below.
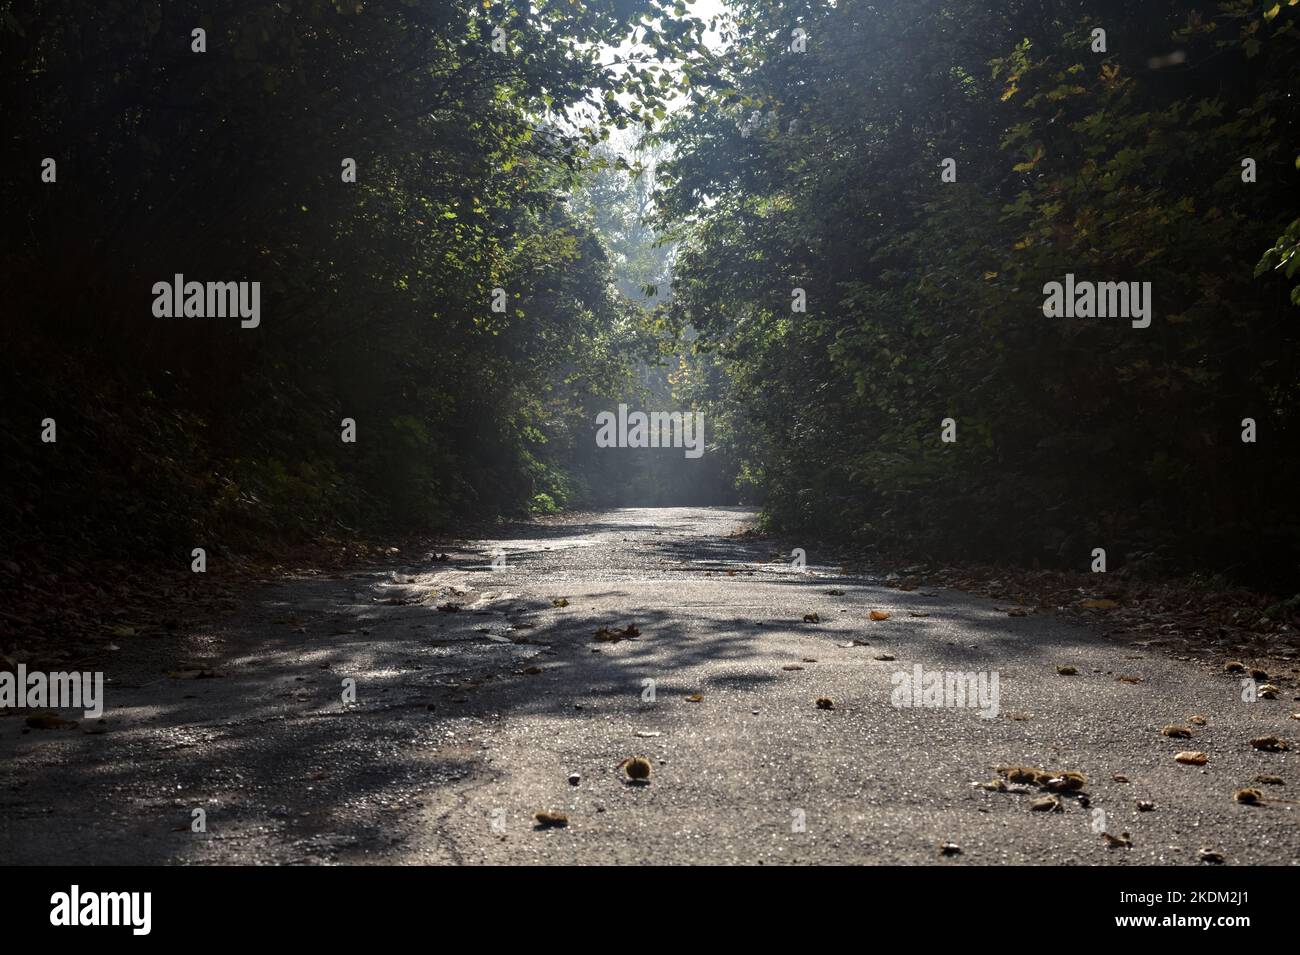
(252, 727)
(269, 747)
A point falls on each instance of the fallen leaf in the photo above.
(1270, 744)
(1145, 805)
(559, 602)
(1064, 669)
(609, 635)
(1019, 774)
(694, 698)
(879, 615)
(1046, 804)
(825, 703)
(1176, 732)
(1249, 797)
(1122, 841)
(1191, 758)
(833, 593)
(550, 820)
(884, 657)
(1209, 856)
(1064, 782)
(811, 618)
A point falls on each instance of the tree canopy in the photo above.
(212, 141)
(823, 170)
(835, 239)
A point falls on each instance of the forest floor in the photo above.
(482, 692)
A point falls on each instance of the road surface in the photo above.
(466, 722)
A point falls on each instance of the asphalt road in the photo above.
(468, 721)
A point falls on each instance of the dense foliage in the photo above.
(376, 295)
(808, 154)
(821, 170)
